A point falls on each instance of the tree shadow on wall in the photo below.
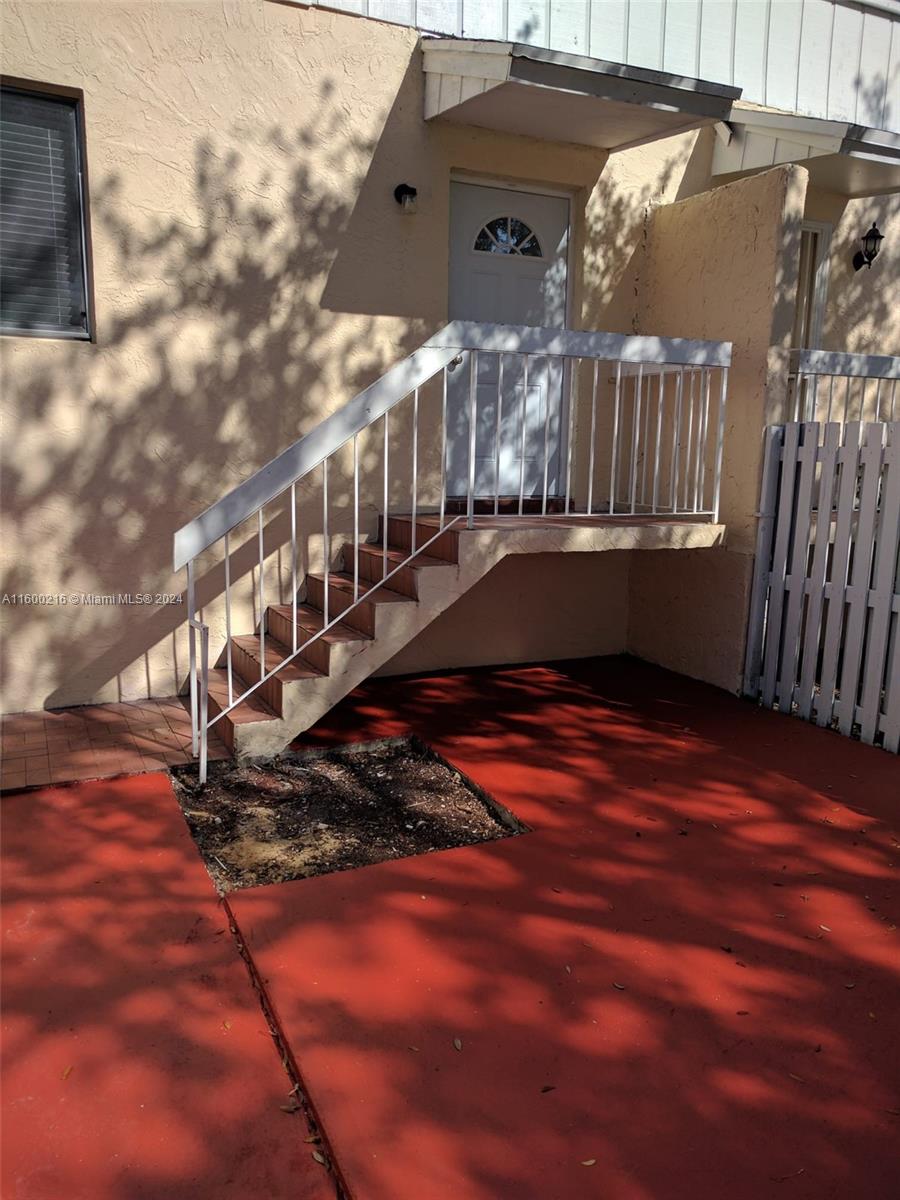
(218, 357)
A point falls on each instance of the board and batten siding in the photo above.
(819, 58)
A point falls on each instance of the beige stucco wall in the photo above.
(533, 608)
(862, 308)
(251, 272)
(722, 264)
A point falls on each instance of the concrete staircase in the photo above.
(388, 617)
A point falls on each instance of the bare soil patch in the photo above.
(304, 814)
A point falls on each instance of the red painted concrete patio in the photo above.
(684, 983)
(137, 1064)
(696, 950)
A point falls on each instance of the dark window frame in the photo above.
(53, 91)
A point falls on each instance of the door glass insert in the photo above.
(508, 235)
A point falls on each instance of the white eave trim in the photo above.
(761, 139)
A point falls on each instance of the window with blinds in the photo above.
(43, 289)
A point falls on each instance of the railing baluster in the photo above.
(689, 448)
(547, 439)
(614, 459)
(676, 441)
(830, 398)
(415, 464)
(384, 527)
(326, 540)
(203, 711)
(893, 397)
(443, 448)
(645, 447)
(592, 443)
(262, 600)
(720, 443)
(635, 436)
(570, 369)
(522, 446)
(228, 666)
(294, 586)
(355, 517)
(499, 434)
(192, 660)
(659, 415)
(473, 402)
(697, 448)
(703, 434)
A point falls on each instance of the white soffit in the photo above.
(562, 97)
(852, 160)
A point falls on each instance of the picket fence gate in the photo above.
(824, 627)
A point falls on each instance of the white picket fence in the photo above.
(824, 628)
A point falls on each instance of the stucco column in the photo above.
(721, 265)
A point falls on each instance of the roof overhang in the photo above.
(563, 97)
(852, 160)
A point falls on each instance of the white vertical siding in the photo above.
(822, 58)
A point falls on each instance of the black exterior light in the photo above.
(871, 245)
(405, 195)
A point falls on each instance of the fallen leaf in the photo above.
(568, 970)
(292, 1106)
(313, 1138)
(457, 1044)
(826, 928)
(67, 1072)
(797, 1077)
(849, 986)
(548, 1087)
(320, 1158)
(226, 1024)
(415, 1049)
(588, 1162)
(620, 986)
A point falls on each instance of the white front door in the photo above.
(508, 266)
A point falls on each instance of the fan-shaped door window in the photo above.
(508, 235)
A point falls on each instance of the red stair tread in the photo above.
(310, 620)
(254, 708)
(343, 582)
(396, 556)
(276, 653)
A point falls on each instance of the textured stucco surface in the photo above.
(719, 265)
(862, 308)
(251, 273)
(537, 607)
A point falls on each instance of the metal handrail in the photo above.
(396, 384)
(832, 362)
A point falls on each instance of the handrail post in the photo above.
(192, 659)
(473, 382)
(204, 700)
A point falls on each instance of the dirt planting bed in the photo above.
(307, 814)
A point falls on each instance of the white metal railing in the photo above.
(832, 386)
(634, 426)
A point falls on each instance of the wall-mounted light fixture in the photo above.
(405, 195)
(871, 245)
